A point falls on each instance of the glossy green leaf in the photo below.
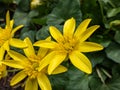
(113, 52)
(96, 58)
(117, 36)
(24, 18)
(31, 34)
(59, 81)
(111, 84)
(113, 12)
(65, 10)
(77, 80)
(42, 33)
(25, 3)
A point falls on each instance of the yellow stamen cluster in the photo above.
(67, 45)
(31, 71)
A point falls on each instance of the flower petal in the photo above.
(2, 52)
(12, 63)
(11, 23)
(30, 49)
(8, 19)
(31, 84)
(81, 28)
(89, 47)
(6, 45)
(69, 27)
(17, 56)
(46, 44)
(18, 77)
(56, 34)
(56, 60)
(17, 43)
(43, 51)
(80, 61)
(46, 60)
(16, 29)
(44, 82)
(88, 33)
(59, 69)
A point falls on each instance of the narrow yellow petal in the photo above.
(2, 52)
(31, 84)
(11, 23)
(89, 47)
(17, 56)
(18, 77)
(46, 60)
(6, 45)
(12, 63)
(69, 27)
(30, 49)
(43, 51)
(44, 82)
(46, 44)
(80, 61)
(88, 33)
(16, 29)
(56, 34)
(8, 19)
(59, 69)
(17, 43)
(81, 28)
(56, 60)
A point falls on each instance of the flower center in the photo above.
(4, 36)
(32, 68)
(68, 45)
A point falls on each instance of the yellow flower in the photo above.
(6, 36)
(72, 44)
(35, 3)
(29, 65)
(3, 68)
(3, 71)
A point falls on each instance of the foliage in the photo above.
(36, 21)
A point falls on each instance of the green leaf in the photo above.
(30, 34)
(40, 21)
(113, 52)
(113, 12)
(77, 80)
(111, 84)
(96, 57)
(24, 5)
(117, 36)
(115, 25)
(58, 81)
(65, 10)
(43, 33)
(24, 18)
(91, 9)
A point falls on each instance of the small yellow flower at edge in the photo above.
(6, 36)
(35, 3)
(72, 44)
